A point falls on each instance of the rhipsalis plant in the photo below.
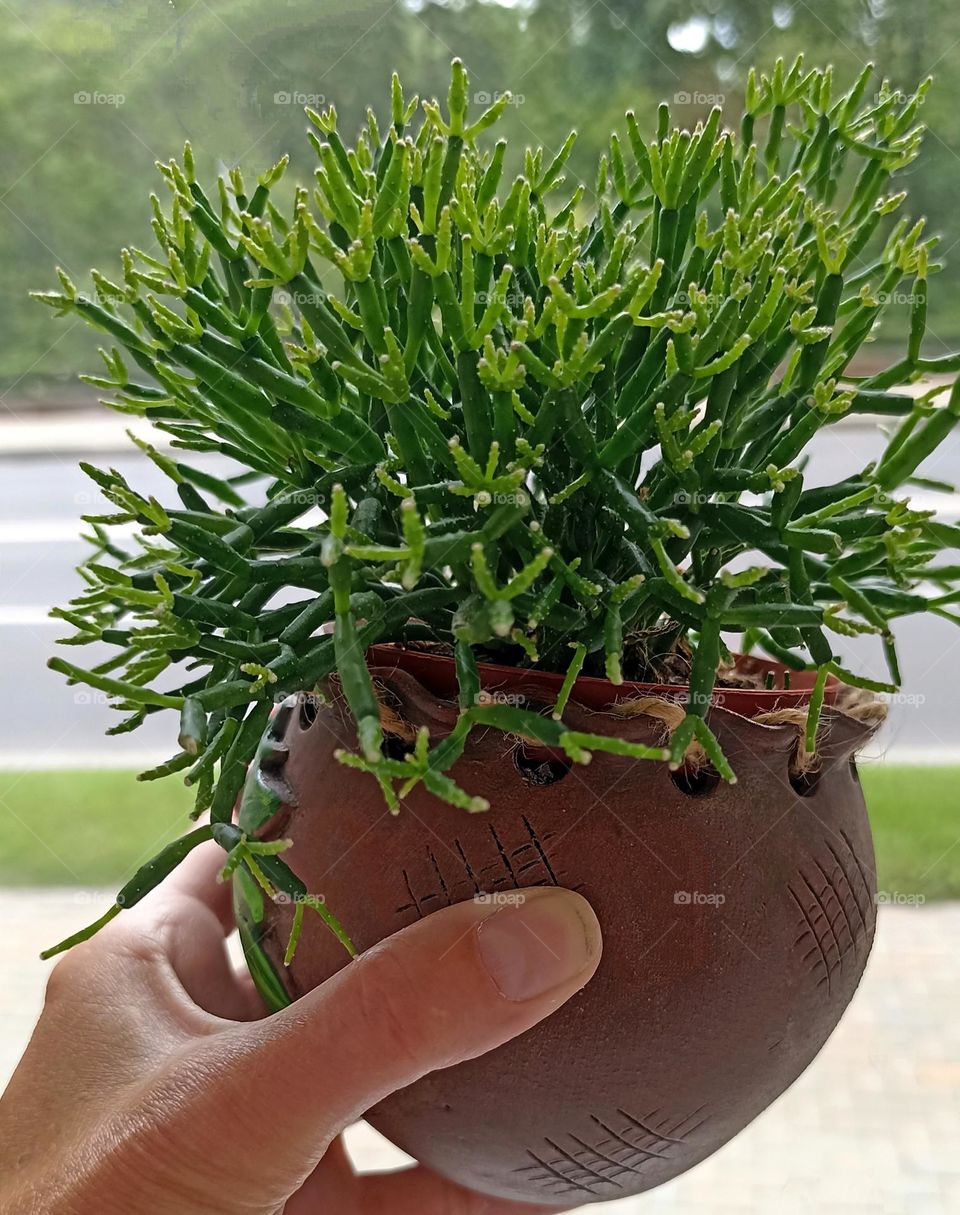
(549, 425)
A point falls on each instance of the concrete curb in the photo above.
(63, 432)
(74, 432)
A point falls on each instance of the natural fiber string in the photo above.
(861, 705)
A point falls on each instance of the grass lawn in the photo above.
(915, 813)
(64, 828)
(94, 828)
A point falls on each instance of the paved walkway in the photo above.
(873, 1128)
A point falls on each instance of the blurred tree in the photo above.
(94, 91)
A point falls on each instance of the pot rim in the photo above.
(437, 673)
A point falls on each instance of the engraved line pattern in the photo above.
(528, 864)
(849, 887)
(413, 898)
(848, 923)
(439, 873)
(841, 906)
(830, 932)
(621, 1168)
(541, 851)
(856, 860)
(818, 944)
(621, 1153)
(681, 1127)
(554, 1175)
(578, 1164)
(504, 857)
(466, 864)
(643, 1127)
(646, 1153)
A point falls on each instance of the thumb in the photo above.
(448, 988)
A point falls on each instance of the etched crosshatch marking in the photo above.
(620, 1152)
(451, 874)
(835, 912)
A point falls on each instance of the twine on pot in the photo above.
(862, 705)
(858, 703)
(391, 717)
(670, 714)
(803, 761)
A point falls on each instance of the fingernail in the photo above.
(546, 941)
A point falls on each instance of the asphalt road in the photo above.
(46, 723)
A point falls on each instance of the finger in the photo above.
(198, 958)
(193, 887)
(198, 879)
(185, 920)
(448, 988)
(414, 1191)
(418, 1191)
(332, 1186)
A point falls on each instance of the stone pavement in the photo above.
(872, 1128)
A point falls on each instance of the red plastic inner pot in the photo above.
(437, 674)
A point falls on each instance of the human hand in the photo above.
(153, 1081)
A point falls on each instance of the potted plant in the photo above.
(536, 452)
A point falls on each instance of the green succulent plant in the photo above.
(539, 422)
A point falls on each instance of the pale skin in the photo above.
(154, 1081)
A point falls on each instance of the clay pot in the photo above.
(737, 921)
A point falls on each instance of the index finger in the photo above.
(197, 880)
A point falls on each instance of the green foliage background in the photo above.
(73, 175)
(115, 819)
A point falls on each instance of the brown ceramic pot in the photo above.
(737, 920)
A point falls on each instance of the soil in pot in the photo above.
(737, 921)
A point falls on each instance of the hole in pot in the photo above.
(805, 783)
(395, 747)
(695, 781)
(308, 711)
(540, 769)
